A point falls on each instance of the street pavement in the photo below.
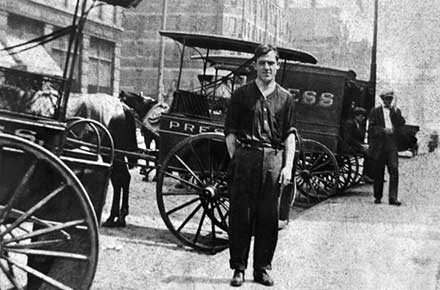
(347, 242)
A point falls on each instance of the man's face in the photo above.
(360, 118)
(267, 67)
(387, 101)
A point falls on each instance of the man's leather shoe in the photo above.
(263, 278)
(367, 179)
(238, 278)
(395, 202)
(377, 201)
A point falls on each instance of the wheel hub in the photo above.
(305, 174)
(209, 191)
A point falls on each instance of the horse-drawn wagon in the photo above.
(52, 186)
(192, 159)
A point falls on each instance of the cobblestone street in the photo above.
(343, 243)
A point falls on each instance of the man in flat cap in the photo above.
(384, 122)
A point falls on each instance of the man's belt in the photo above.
(259, 145)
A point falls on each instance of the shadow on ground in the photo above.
(147, 236)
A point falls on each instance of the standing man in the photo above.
(259, 124)
(384, 122)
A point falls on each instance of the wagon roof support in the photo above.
(182, 53)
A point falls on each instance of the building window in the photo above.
(59, 53)
(24, 28)
(100, 72)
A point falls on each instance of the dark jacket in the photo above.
(353, 136)
(378, 140)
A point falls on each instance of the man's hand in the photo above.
(364, 148)
(388, 131)
(285, 176)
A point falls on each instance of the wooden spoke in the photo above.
(45, 231)
(189, 217)
(323, 180)
(177, 193)
(11, 277)
(33, 209)
(210, 160)
(213, 232)
(40, 275)
(183, 180)
(199, 228)
(222, 217)
(328, 161)
(316, 194)
(14, 213)
(196, 177)
(38, 244)
(314, 173)
(182, 206)
(317, 159)
(20, 188)
(47, 253)
(197, 157)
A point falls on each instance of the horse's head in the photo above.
(140, 104)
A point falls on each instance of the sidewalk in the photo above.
(343, 243)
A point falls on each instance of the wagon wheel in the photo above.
(192, 193)
(358, 169)
(88, 137)
(346, 171)
(316, 173)
(48, 229)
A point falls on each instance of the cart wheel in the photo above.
(347, 169)
(86, 138)
(48, 229)
(192, 193)
(358, 168)
(316, 173)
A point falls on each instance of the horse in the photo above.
(148, 112)
(110, 112)
(142, 107)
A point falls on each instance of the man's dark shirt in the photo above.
(253, 119)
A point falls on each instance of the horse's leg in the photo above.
(148, 138)
(125, 183)
(114, 212)
(156, 140)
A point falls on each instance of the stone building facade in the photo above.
(98, 68)
(320, 31)
(256, 20)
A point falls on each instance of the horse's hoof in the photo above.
(109, 223)
(120, 223)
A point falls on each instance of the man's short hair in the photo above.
(359, 111)
(264, 49)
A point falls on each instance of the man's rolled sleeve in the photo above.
(232, 115)
(290, 121)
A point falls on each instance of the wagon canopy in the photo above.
(216, 42)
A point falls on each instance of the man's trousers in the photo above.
(254, 206)
(391, 160)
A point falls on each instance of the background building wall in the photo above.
(104, 24)
(246, 19)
